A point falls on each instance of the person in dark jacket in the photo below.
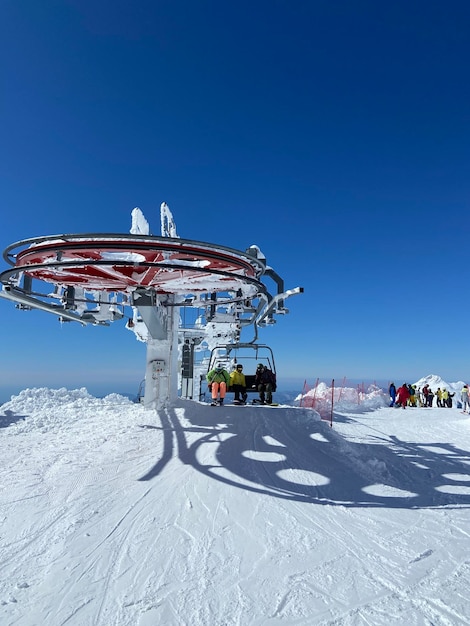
(430, 397)
(392, 391)
(449, 401)
(265, 383)
(412, 398)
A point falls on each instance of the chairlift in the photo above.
(246, 354)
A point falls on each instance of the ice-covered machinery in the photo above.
(152, 281)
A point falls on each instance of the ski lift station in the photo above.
(189, 301)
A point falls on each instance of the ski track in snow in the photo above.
(113, 515)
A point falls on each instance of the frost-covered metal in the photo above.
(149, 280)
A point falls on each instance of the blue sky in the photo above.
(334, 135)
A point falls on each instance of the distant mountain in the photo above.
(435, 381)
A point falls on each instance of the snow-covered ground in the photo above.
(113, 515)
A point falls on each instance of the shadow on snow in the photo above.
(9, 417)
(288, 453)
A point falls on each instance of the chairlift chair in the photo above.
(229, 355)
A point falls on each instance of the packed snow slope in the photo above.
(113, 515)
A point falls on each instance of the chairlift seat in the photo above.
(250, 381)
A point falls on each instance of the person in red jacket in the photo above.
(425, 393)
(402, 395)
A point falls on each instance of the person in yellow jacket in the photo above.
(238, 384)
(444, 398)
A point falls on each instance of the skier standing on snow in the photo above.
(444, 398)
(412, 398)
(464, 399)
(449, 400)
(429, 398)
(392, 390)
(402, 395)
(218, 380)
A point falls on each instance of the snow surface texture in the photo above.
(113, 515)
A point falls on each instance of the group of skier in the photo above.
(219, 381)
(411, 395)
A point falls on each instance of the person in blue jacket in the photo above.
(392, 391)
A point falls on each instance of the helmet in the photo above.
(239, 366)
(260, 366)
(219, 366)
